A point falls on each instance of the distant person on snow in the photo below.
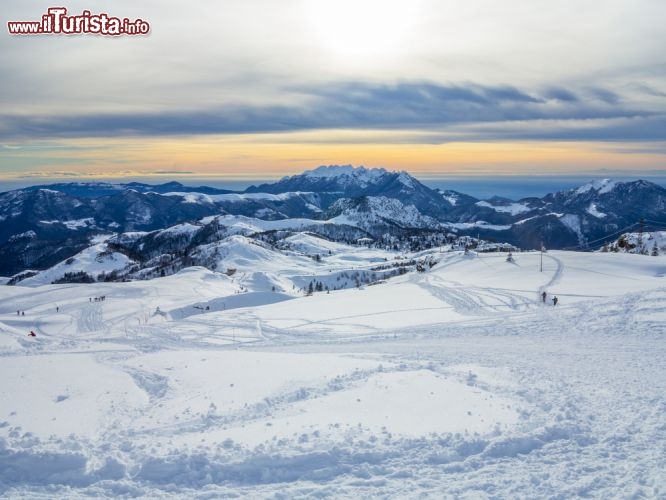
(32, 334)
(543, 297)
(555, 301)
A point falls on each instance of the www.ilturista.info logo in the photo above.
(56, 21)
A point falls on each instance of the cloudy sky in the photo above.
(259, 89)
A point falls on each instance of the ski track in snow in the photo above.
(557, 275)
(518, 399)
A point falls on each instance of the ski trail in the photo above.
(557, 275)
(473, 301)
(90, 318)
(355, 316)
(555, 278)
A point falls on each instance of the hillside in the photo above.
(455, 381)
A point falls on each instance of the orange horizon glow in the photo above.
(276, 155)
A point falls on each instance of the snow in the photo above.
(594, 211)
(406, 179)
(572, 221)
(100, 238)
(93, 260)
(523, 221)
(601, 186)
(235, 197)
(477, 224)
(452, 199)
(63, 394)
(189, 197)
(260, 268)
(332, 171)
(27, 234)
(127, 238)
(310, 244)
(510, 208)
(186, 229)
(646, 242)
(249, 225)
(71, 224)
(348, 175)
(454, 383)
(380, 209)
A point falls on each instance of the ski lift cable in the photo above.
(587, 244)
(662, 223)
(619, 231)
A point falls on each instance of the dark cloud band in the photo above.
(472, 109)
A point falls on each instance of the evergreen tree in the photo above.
(655, 250)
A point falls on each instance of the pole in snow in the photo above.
(541, 265)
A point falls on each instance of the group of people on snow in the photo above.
(544, 295)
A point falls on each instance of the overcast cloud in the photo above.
(592, 70)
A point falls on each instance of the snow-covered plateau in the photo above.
(456, 382)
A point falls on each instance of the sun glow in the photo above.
(363, 28)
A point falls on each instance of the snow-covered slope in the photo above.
(95, 262)
(379, 211)
(454, 382)
(646, 243)
(601, 186)
(509, 207)
(311, 245)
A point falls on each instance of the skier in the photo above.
(543, 297)
(555, 301)
(32, 334)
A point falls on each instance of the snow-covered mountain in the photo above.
(608, 198)
(40, 227)
(354, 182)
(94, 189)
(598, 210)
(346, 179)
(377, 213)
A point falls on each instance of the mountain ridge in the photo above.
(42, 225)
